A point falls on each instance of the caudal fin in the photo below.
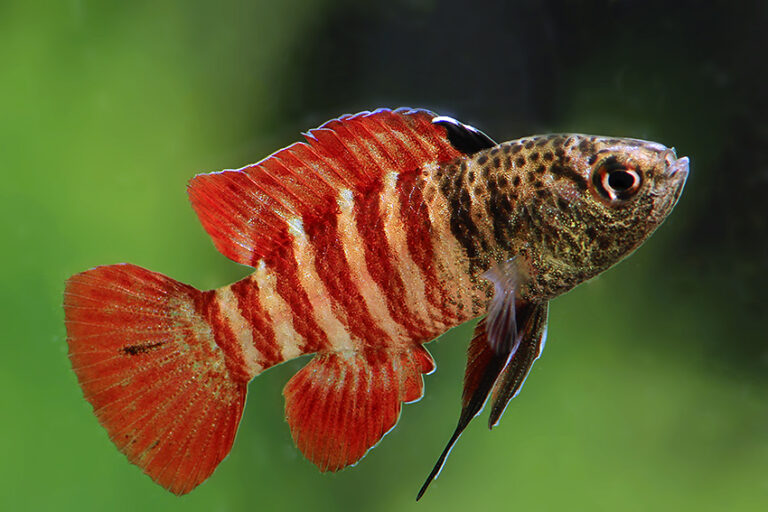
(145, 356)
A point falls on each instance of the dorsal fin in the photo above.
(247, 211)
(467, 139)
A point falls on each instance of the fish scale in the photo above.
(375, 236)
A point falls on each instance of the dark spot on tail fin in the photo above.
(464, 138)
(141, 348)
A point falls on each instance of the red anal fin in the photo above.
(148, 364)
(246, 210)
(341, 404)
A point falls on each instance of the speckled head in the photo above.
(605, 198)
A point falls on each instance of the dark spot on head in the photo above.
(568, 172)
(540, 169)
(516, 181)
(508, 162)
(531, 177)
(463, 166)
(485, 173)
(516, 148)
(542, 193)
(548, 156)
(542, 141)
(497, 162)
(482, 159)
(591, 232)
(464, 198)
(591, 159)
(538, 184)
(503, 181)
(560, 152)
(495, 151)
(529, 144)
(533, 157)
(563, 205)
(603, 242)
(478, 191)
(471, 176)
(520, 161)
(585, 146)
(612, 163)
(507, 148)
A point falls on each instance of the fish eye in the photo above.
(615, 182)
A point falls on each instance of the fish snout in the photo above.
(678, 166)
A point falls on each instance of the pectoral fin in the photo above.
(502, 310)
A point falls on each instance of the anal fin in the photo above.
(342, 403)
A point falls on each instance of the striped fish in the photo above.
(375, 236)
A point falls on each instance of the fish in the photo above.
(377, 234)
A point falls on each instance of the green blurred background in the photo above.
(652, 392)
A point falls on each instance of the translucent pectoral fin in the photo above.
(502, 310)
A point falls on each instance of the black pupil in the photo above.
(621, 180)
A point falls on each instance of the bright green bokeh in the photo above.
(108, 111)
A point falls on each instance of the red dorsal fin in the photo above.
(246, 210)
(341, 404)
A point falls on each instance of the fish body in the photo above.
(381, 232)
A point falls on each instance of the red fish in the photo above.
(381, 232)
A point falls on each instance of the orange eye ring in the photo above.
(616, 182)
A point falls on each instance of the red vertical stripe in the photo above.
(380, 262)
(207, 307)
(290, 289)
(418, 229)
(247, 293)
(333, 270)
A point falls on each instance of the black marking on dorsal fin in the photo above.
(464, 138)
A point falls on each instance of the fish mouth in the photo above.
(677, 174)
(679, 168)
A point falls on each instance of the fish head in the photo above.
(632, 185)
(608, 195)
